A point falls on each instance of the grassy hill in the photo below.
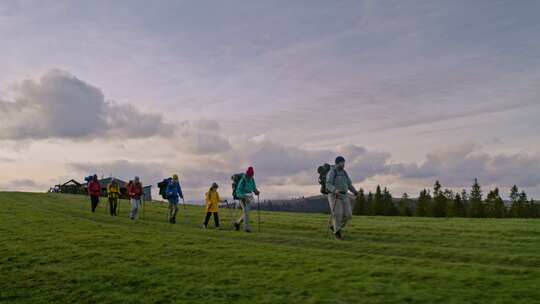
(53, 250)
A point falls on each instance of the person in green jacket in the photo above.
(338, 184)
(246, 191)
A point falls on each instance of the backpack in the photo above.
(163, 187)
(236, 178)
(323, 172)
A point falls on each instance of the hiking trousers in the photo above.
(341, 210)
(135, 205)
(94, 201)
(113, 204)
(173, 210)
(245, 203)
(207, 219)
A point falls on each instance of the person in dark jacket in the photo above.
(94, 190)
(174, 193)
(135, 192)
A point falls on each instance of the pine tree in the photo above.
(378, 201)
(459, 206)
(514, 201)
(494, 204)
(360, 207)
(438, 208)
(404, 207)
(522, 205)
(390, 208)
(477, 206)
(535, 209)
(370, 209)
(531, 209)
(465, 201)
(449, 202)
(422, 206)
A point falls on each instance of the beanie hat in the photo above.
(250, 172)
(340, 159)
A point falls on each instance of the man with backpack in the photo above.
(135, 192)
(338, 184)
(173, 192)
(246, 190)
(94, 190)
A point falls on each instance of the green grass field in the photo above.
(53, 250)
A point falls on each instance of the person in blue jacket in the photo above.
(174, 193)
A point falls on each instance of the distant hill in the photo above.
(312, 204)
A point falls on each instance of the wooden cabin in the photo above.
(72, 187)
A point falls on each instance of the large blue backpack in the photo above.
(163, 187)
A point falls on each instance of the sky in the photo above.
(408, 91)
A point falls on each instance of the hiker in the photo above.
(245, 191)
(94, 190)
(135, 192)
(338, 184)
(174, 192)
(113, 192)
(212, 205)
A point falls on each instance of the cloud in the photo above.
(149, 172)
(23, 185)
(202, 137)
(60, 105)
(276, 166)
(280, 164)
(458, 165)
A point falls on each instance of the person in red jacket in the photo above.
(94, 190)
(135, 192)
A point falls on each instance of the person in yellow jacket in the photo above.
(212, 205)
(113, 192)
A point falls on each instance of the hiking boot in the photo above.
(248, 230)
(173, 221)
(204, 227)
(338, 235)
(236, 226)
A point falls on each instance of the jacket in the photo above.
(174, 191)
(135, 190)
(113, 191)
(245, 186)
(338, 181)
(94, 188)
(212, 201)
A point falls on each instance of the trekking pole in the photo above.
(258, 214)
(143, 209)
(230, 211)
(331, 217)
(185, 211)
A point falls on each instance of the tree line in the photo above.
(439, 202)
